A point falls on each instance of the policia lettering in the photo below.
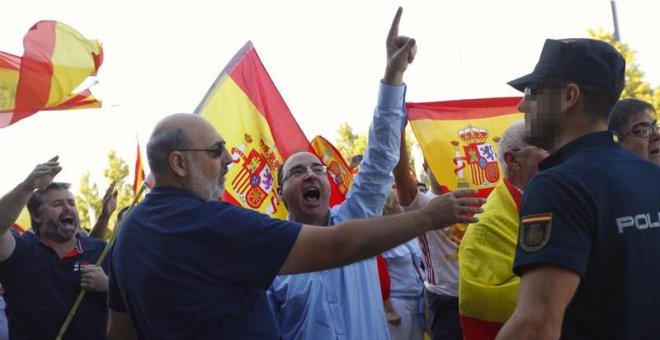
(639, 221)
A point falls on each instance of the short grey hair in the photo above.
(160, 146)
(513, 138)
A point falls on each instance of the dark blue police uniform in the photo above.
(594, 209)
(184, 268)
(40, 289)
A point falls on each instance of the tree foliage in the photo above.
(636, 86)
(89, 199)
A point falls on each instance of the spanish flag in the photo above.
(139, 172)
(56, 60)
(459, 139)
(259, 130)
(341, 177)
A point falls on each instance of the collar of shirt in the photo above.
(77, 249)
(596, 139)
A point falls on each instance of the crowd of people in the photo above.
(563, 246)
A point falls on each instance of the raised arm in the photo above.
(13, 202)
(109, 204)
(318, 248)
(544, 294)
(374, 181)
(406, 185)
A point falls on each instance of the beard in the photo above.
(51, 230)
(204, 189)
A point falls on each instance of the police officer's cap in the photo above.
(586, 61)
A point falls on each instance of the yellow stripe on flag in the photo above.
(72, 63)
(255, 156)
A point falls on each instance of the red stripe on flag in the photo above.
(288, 136)
(10, 61)
(36, 72)
(463, 109)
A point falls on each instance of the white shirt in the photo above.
(440, 252)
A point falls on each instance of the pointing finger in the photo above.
(394, 30)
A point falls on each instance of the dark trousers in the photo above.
(445, 323)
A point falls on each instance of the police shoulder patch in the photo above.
(535, 231)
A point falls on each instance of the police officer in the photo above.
(589, 242)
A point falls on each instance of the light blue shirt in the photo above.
(404, 267)
(346, 303)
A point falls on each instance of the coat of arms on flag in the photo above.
(460, 138)
(477, 153)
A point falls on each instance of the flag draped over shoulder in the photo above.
(341, 177)
(460, 139)
(259, 130)
(55, 62)
(139, 172)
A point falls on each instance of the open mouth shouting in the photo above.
(312, 194)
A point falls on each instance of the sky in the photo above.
(326, 58)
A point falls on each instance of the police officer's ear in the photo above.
(573, 95)
(178, 163)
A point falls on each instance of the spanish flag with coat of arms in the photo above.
(460, 139)
(245, 107)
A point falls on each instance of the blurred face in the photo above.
(642, 137)
(207, 165)
(541, 105)
(58, 217)
(305, 188)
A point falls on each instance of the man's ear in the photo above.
(573, 95)
(178, 163)
(510, 160)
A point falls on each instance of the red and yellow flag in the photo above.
(460, 139)
(23, 222)
(340, 175)
(250, 114)
(139, 172)
(56, 60)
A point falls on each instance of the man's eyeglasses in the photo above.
(644, 131)
(529, 147)
(301, 170)
(216, 152)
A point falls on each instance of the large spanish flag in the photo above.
(250, 114)
(56, 61)
(460, 138)
(341, 177)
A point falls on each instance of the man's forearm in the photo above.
(361, 239)
(11, 205)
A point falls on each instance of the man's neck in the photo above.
(577, 129)
(320, 220)
(60, 248)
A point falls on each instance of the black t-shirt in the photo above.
(40, 289)
(594, 209)
(183, 268)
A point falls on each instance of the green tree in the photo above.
(636, 86)
(349, 143)
(89, 199)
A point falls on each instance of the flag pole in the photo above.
(109, 245)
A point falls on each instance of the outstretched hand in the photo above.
(455, 207)
(109, 200)
(400, 52)
(42, 175)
